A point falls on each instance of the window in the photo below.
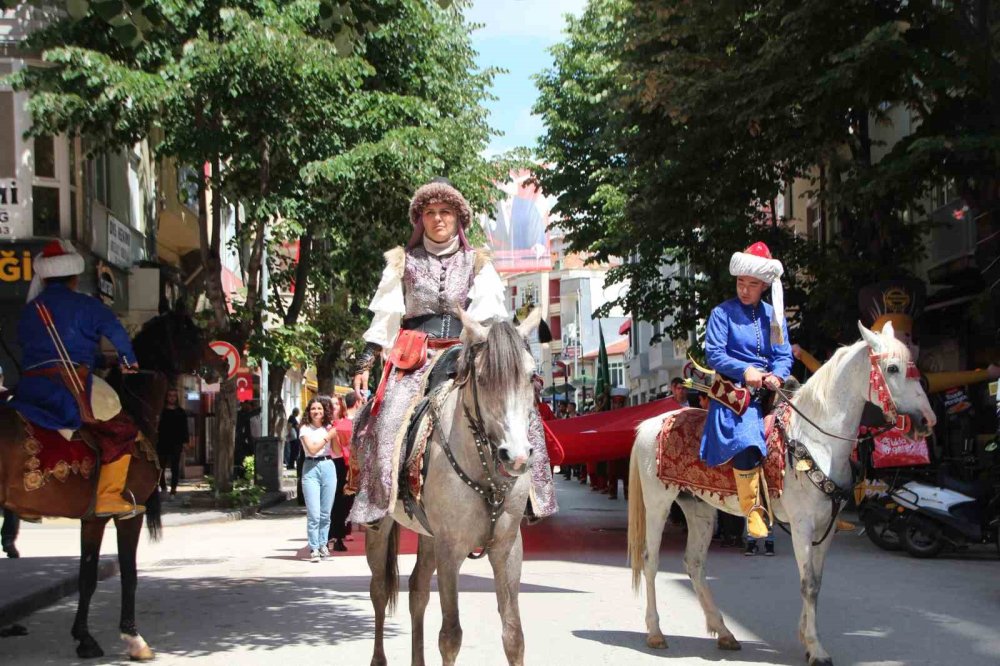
(554, 290)
(529, 296)
(555, 325)
(187, 187)
(813, 222)
(45, 157)
(617, 371)
(8, 157)
(45, 217)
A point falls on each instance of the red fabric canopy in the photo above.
(604, 435)
(625, 327)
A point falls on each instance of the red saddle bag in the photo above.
(410, 350)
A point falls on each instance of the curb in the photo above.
(15, 609)
(18, 608)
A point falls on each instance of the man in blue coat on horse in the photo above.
(59, 333)
(746, 341)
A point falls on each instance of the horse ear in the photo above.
(874, 340)
(888, 332)
(476, 331)
(530, 323)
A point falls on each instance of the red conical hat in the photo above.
(57, 259)
(756, 261)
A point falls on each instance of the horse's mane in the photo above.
(821, 385)
(502, 367)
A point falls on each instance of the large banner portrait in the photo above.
(517, 233)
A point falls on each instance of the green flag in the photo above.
(602, 390)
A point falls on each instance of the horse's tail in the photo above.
(154, 515)
(392, 567)
(636, 519)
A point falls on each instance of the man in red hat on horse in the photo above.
(746, 341)
(59, 334)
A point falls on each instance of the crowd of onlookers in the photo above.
(318, 447)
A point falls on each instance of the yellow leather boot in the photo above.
(748, 492)
(110, 486)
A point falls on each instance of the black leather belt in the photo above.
(320, 458)
(435, 325)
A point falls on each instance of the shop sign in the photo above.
(119, 243)
(12, 210)
(105, 283)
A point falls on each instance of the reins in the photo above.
(494, 492)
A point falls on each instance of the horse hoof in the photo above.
(89, 649)
(826, 661)
(143, 655)
(656, 642)
(729, 643)
(137, 648)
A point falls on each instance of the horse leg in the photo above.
(91, 535)
(420, 594)
(658, 501)
(377, 552)
(128, 545)
(505, 558)
(701, 521)
(810, 559)
(449, 563)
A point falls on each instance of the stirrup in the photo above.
(136, 510)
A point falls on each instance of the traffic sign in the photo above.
(228, 352)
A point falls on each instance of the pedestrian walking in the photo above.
(292, 446)
(340, 526)
(752, 548)
(171, 440)
(319, 476)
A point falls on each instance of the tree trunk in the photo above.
(275, 403)
(326, 364)
(225, 436)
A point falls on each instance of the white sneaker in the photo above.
(314, 556)
(324, 552)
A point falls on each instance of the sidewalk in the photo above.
(50, 551)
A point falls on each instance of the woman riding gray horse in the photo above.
(415, 315)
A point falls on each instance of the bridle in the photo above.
(802, 460)
(498, 483)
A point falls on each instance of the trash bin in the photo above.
(268, 462)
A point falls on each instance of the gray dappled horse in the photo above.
(481, 441)
(833, 399)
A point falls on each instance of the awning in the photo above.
(604, 435)
(625, 327)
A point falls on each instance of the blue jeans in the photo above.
(319, 484)
(750, 540)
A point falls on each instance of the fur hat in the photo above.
(57, 259)
(439, 190)
(756, 262)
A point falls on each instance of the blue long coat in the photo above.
(81, 321)
(738, 336)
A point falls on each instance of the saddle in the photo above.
(678, 461)
(413, 471)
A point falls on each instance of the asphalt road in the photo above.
(235, 594)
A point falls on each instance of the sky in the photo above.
(516, 36)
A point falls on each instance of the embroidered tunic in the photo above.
(736, 338)
(81, 321)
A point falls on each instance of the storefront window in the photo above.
(8, 157)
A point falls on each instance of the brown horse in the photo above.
(167, 346)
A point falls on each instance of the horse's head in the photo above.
(173, 343)
(499, 368)
(895, 381)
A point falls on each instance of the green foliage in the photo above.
(673, 125)
(244, 491)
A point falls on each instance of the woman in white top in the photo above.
(319, 476)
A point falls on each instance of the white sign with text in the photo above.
(119, 243)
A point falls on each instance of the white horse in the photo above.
(833, 399)
(492, 401)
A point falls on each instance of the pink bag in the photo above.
(895, 449)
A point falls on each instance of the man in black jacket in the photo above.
(173, 437)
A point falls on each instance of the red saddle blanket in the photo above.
(678, 462)
(48, 455)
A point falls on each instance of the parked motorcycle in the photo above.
(924, 517)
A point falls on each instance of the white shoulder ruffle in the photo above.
(486, 297)
(388, 304)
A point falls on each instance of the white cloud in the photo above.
(522, 18)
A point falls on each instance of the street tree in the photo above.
(264, 95)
